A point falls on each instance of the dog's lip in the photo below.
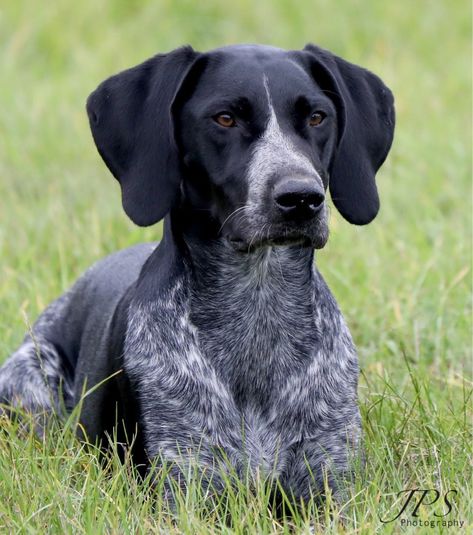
(274, 241)
(288, 240)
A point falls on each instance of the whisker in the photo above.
(231, 215)
(280, 266)
(329, 92)
(194, 209)
(254, 236)
(339, 198)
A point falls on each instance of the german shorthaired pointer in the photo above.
(223, 341)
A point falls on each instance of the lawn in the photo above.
(403, 283)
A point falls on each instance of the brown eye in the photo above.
(316, 118)
(225, 119)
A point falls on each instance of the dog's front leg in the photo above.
(324, 464)
(187, 414)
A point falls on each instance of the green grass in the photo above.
(403, 283)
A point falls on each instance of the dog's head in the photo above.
(250, 135)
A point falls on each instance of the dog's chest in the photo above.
(240, 357)
(255, 327)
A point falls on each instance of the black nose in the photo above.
(298, 198)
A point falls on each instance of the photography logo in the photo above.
(440, 505)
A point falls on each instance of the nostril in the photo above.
(288, 200)
(313, 199)
(316, 199)
(292, 199)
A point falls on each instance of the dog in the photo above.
(223, 340)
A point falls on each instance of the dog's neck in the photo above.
(253, 309)
(216, 265)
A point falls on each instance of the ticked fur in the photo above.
(248, 361)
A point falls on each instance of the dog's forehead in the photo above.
(253, 71)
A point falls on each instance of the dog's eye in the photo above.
(317, 118)
(225, 119)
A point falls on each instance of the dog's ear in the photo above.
(366, 127)
(130, 119)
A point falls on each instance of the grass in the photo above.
(404, 282)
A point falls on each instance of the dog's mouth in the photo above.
(258, 231)
(242, 245)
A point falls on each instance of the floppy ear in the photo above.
(366, 129)
(130, 119)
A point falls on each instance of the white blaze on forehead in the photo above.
(274, 153)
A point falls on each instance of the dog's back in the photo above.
(43, 374)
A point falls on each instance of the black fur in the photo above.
(223, 339)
